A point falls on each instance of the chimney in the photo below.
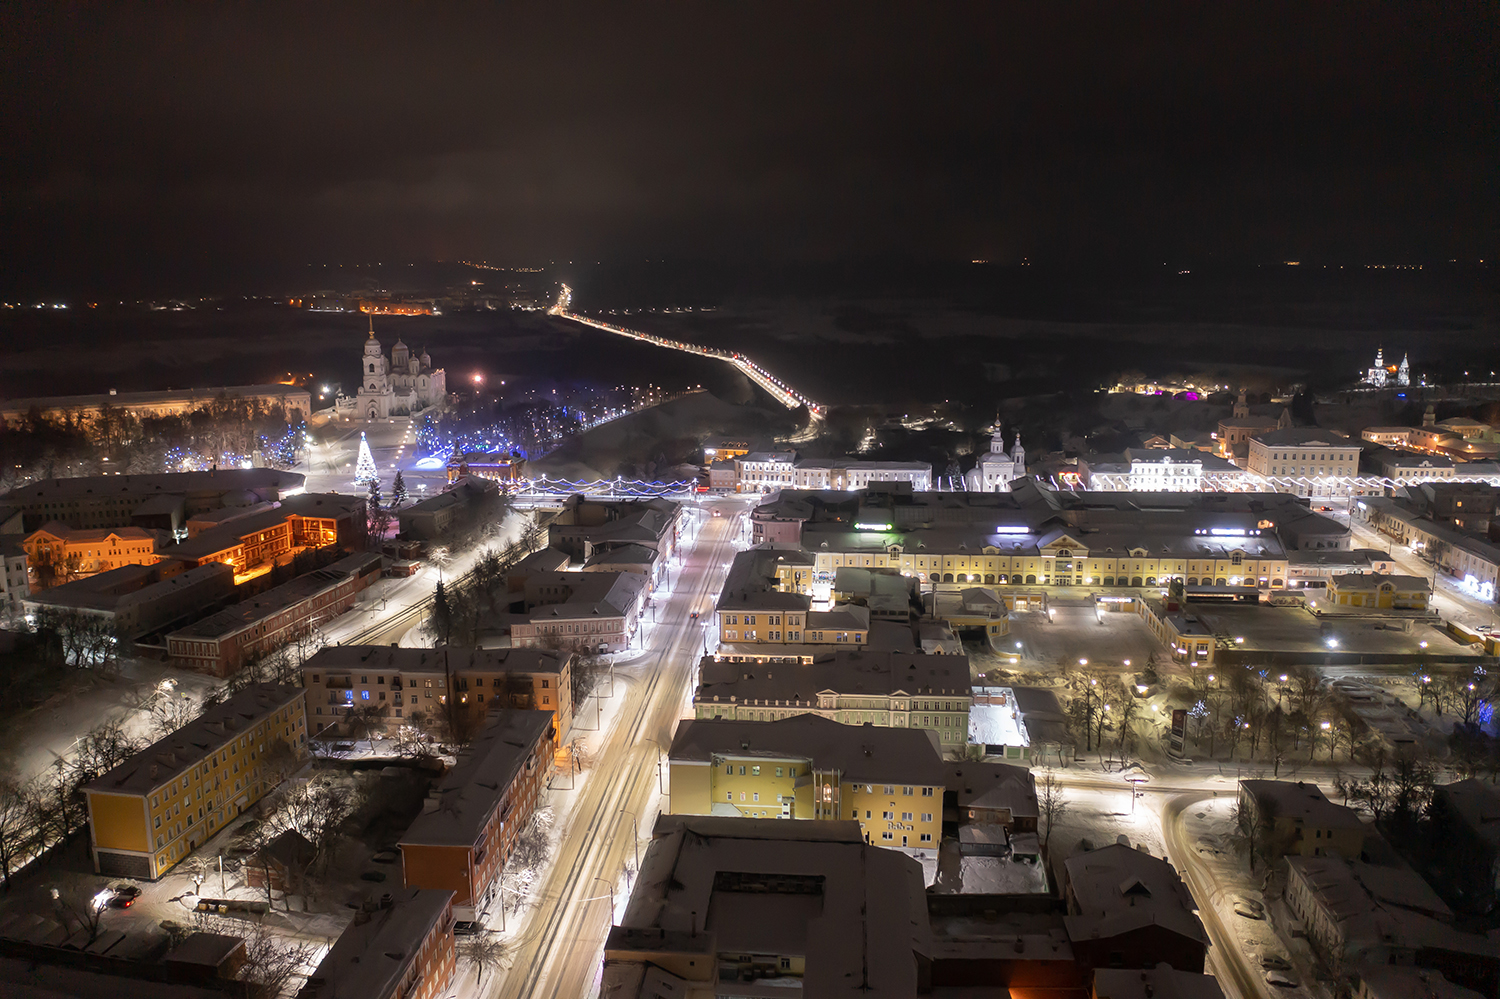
(386, 900)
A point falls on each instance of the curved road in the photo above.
(1231, 965)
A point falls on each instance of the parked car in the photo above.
(118, 901)
(1249, 908)
(386, 857)
(1281, 980)
(1271, 962)
(465, 928)
(126, 888)
(372, 876)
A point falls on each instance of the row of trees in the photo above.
(40, 813)
(115, 440)
(1273, 716)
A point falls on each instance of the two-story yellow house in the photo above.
(154, 809)
(891, 781)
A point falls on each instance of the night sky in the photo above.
(198, 140)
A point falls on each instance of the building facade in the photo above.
(890, 781)
(223, 642)
(141, 405)
(391, 687)
(997, 469)
(1303, 453)
(400, 385)
(465, 834)
(398, 946)
(1379, 591)
(59, 554)
(154, 809)
(889, 689)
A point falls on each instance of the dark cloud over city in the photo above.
(203, 137)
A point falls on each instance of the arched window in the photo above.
(989, 578)
(1031, 579)
(1135, 581)
(948, 577)
(1109, 581)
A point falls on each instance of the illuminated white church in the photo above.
(399, 385)
(997, 470)
(1380, 376)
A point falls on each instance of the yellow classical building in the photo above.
(154, 809)
(807, 767)
(58, 553)
(1378, 590)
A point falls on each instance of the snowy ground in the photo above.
(1001, 876)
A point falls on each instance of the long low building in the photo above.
(583, 611)
(768, 471)
(223, 642)
(296, 401)
(1032, 536)
(139, 599)
(389, 687)
(1473, 561)
(154, 809)
(161, 501)
(888, 689)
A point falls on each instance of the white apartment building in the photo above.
(767, 471)
(14, 586)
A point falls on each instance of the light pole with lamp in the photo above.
(635, 841)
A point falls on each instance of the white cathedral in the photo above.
(1380, 376)
(403, 384)
(997, 470)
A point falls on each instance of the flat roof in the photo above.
(856, 912)
(108, 591)
(484, 772)
(171, 756)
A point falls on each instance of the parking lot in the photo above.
(1075, 632)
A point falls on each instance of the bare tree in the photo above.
(76, 903)
(484, 953)
(105, 747)
(1052, 804)
(17, 825)
(170, 713)
(273, 964)
(316, 809)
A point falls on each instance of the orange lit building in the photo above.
(252, 541)
(396, 308)
(57, 553)
(471, 822)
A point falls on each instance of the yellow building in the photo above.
(806, 767)
(1245, 557)
(1375, 589)
(885, 689)
(58, 553)
(154, 809)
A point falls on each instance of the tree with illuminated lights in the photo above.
(364, 471)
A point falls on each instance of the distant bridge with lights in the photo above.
(778, 390)
(1324, 486)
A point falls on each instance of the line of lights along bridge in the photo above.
(779, 390)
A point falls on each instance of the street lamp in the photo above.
(636, 838)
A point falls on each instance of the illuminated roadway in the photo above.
(559, 952)
(780, 391)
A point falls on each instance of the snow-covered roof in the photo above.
(372, 955)
(856, 912)
(1118, 889)
(1161, 982)
(476, 785)
(861, 753)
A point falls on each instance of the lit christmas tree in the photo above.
(365, 470)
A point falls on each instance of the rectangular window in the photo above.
(779, 772)
(926, 816)
(755, 771)
(887, 836)
(926, 792)
(927, 837)
(906, 791)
